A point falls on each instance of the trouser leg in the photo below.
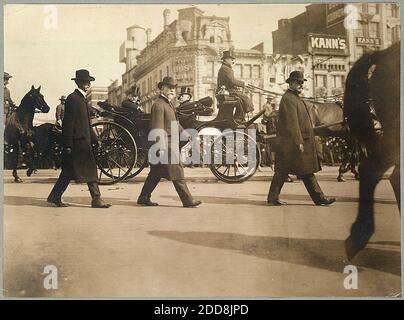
(312, 186)
(149, 185)
(278, 180)
(94, 190)
(183, 191)
(60, 187)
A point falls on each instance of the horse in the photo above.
(372, 100)
(329, 121)
(19, 129)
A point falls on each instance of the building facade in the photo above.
(190, 50)
(336, 35)
(96, 94)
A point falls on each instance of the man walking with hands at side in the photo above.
(78, 158)
(162, 117)
(296, 150)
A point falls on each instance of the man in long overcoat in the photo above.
(226, 78)
(296, 150)
(163, 117)
(78, 158)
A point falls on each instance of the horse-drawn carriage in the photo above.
(123, 133)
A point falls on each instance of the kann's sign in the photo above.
(327, 44)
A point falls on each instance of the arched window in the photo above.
(212, 39)
(220, 40)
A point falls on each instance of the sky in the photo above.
(44, 45)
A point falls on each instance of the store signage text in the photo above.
(368, 41)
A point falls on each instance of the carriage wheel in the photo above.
(231, 161)
(140, 164)
(116, 155)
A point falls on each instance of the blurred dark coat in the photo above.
(162, 114)
(78, 135)
(295, 127)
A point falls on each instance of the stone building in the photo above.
(190, 50)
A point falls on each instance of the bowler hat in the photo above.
(7, 76)
(62, 98)
(296, 76)
(83, 74)
(185, 90)
(167, 81)
(227, 54)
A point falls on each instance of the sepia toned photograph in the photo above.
(201, 150)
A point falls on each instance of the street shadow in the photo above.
(81, 202)
(300, 197)
(243, 201)
(317, 253)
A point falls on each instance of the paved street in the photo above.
(231, 246)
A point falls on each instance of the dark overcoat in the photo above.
(294, 127)
(78, 135)
(162, 115)
(226, 78)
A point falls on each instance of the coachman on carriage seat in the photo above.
(226, 78)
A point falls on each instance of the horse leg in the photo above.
(14, 162)
(370, 173)
(31, 156)
(395, 183)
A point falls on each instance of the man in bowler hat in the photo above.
(296, 150)
(162, 116)
(77, 135)
(226, 78)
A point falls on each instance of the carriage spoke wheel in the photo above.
(117, 153)
(140, 164)
(235, 157)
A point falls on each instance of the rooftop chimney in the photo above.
(166, 15)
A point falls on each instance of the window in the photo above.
(272, 80)
(161, 75)
(373, 29)
(247, 71)
(167, 71)
(238, 71)
(337, 82)
(220, 40)
(359, 30)
(210, 71)
(321, 80)
(212, 39)
(256, 72)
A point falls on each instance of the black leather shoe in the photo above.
(324, 201)
(58, 203)
(276, 203)
(146, 202)
(99, 203)
(193, 204)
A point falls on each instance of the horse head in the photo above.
(37, 100)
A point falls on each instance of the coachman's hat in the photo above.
(167, 81)
(62, 98)
(185, 90)
(228, 54)
(296, 76)
(7, 76)
(83, 74)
